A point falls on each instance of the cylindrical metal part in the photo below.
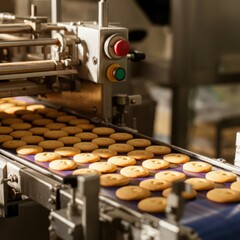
(33, 10)
(15, 28)
(103, 13)
(56, 10)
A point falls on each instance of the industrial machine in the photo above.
(72, 67)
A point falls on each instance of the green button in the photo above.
(120, 73)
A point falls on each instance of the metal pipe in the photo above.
(10, 37)
(103, 13)
(15, 28)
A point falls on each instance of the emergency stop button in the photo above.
(121, 48)
(115, 73)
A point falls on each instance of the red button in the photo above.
(121, 48)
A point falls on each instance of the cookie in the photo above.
(63, 165)
(13, 144)
(32, 139)
(45, 111)
(185, 194)
(31, 117)
(55, 126)
(130, 193)
(139, 142)
(235, 186)
(85, 171)
(51, 144)
(55, 134)
(121, 136)
(113, 180)
(20, 133)
(177, 158)
(103, 130)
(140, 154)
(134, 171)
(122, 161)
(13, 109)
(38, 130)
(6, 105)
(158, 149)
(104, 153)
(86, 136)
(72, 130)
(42, 122)
(121, 147)
(221, 176)
(65, 118)
(21, 126)
(69, 140)
(4, 115)
(29, 149)
(200, 184)
(103, 141)
(103, 167)
(78, 121)
(86, 126)
(155, 164)
(170, 175)
(86, 158)
(86, 146)
(23, 112)
(5, 130)
(155, 184)
(34, 107)
(223, 195)
(152, 205)
(55, 114)
(46, 156)
(197, 166)
(67, 151)
(4, 138)
(9, 121)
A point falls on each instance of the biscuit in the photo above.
(86, 136)
(139, 142)
(153, 205)
(32, 139)
(177, 158)
(121, 136)
(103, 141)
(6, 105)
(85, 171)
(9, 121)
(78, 121)
(67, 151)
(46, 156)
(42, 122)
(69, 140)
(221, 176)
(29, 149)
(23, 112)
(21, 126)
(34, 107)
(13, 144)
(122, 161)
(86, 126)
(235, 186)
(4, 138)
(13, 109)
(103, 167)
(155, 164)
(170, 175)
(38, 130)
(113, 180)
(55, 134)
(223, 195)
(104, 153)
(121, 147)
(200, 184)
(63, 165)
(4, 115)
(55, 114)
(197, 166)
(103, 130)
(86, 158)
(72, 130)
(51, 144)
(140, 154)
(86, 146)
(5, 130)
(20, 133)
(55, 126)
(134, 171)
(31, 117)
(155, 184)
(45, 111)
(130, 193)
(185, 194)
(157, 149)
(65, 118)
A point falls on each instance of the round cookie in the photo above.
(86, 126)
(21, 126)
(42, 122)
(170, 175)
(223, 195)
(197, 166)
(177, 158)
(200, 184)
(155, 164)
(13, 144)
(4, 115)
(78, 121)
(134, 171)
(51, 144)
(34, 107)
(38, 130)
(4, 138)
(157, 149)
(186, 195)
(86, 158)
(153, 205)
(31, 117)
(121, 136)
(122, 161)
(5, 130)
(86, 146)
(121, 147)
(63, 165)
(139, 142)
(86, 136)
(85, 171)
(65, 118)
(235, 186)
(29, 149)
(55, 126)
(13, 109)
(72, 130)
(103, 167)
(130, 193)
(67, 151)
(20, 133)
(104, 153)
(221, 176)
(69, 140)
(140, 154)
(55, 114)
(45, 111)
(46, 156)
(155, 184)
(9, 121)
(55, 134)
(32, 139)
(103, 130)
(23, 112)
(113, 180)
(103, 141)
(6, 105)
